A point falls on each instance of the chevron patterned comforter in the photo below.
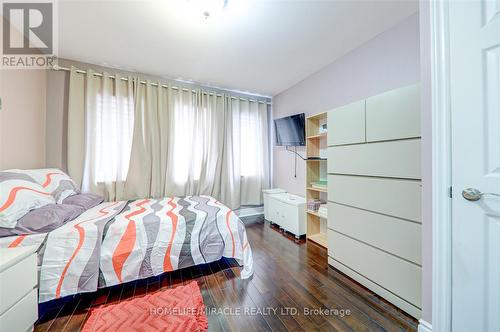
(116, 242)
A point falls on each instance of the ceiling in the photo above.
(256, 46)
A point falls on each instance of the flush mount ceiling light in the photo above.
(203, 14)
(208, 8)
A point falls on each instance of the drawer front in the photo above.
(395, 197)
(17, 281)
(346, 125)
(396, 275)
(394, 114)
(398, 159)
(399, 237)
(22, 315)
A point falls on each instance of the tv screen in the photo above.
(290, 131)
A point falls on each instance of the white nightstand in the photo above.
(18, 289)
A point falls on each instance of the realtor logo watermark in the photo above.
(28, 35)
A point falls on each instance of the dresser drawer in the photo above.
(395, 197)
(394, 274)
(17, 281)
(394, 114)
(396, 236)
(22, 315)
(346, 124)
(398, 159)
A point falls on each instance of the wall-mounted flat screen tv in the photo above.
(291, 130)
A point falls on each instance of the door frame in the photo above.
(441, 167)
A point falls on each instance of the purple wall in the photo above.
(389, 61)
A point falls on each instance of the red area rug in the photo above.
(177, 309)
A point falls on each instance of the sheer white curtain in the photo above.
(196, 140)
(117, 135)
(129, 140)
(218, 146)
(251, 118)
(108, 118)
(246, 164)
(148, 162)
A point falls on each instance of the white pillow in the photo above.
(19, 194)
(55, 181)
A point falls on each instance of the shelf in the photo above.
(316, 189)
(319, 238)
(315, 214)
(315, 169)
(317, 136)
(319, 116)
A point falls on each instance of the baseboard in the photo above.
(424, 326)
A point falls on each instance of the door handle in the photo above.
(473, 194)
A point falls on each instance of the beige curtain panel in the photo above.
(129, 140)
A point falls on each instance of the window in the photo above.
(250, 144)
(114, 125)
(200, 133)
(187, 144)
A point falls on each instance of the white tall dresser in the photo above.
(374, 208)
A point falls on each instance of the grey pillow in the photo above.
(44, 219)
(85, 200)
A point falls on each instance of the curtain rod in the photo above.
(113, 77)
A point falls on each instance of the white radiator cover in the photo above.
(288, 211)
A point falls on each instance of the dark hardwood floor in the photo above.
(291, 278)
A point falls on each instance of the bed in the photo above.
(117, 242)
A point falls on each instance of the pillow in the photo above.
(55, 181)
(85, 200)
(44, 219)
(19, 194)
(6, 232)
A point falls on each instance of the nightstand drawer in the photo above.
(22, 315)
(17, 281)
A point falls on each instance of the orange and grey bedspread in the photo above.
(116, 242)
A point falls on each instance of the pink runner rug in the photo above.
(177, 309)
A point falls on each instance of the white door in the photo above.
(475, 112)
